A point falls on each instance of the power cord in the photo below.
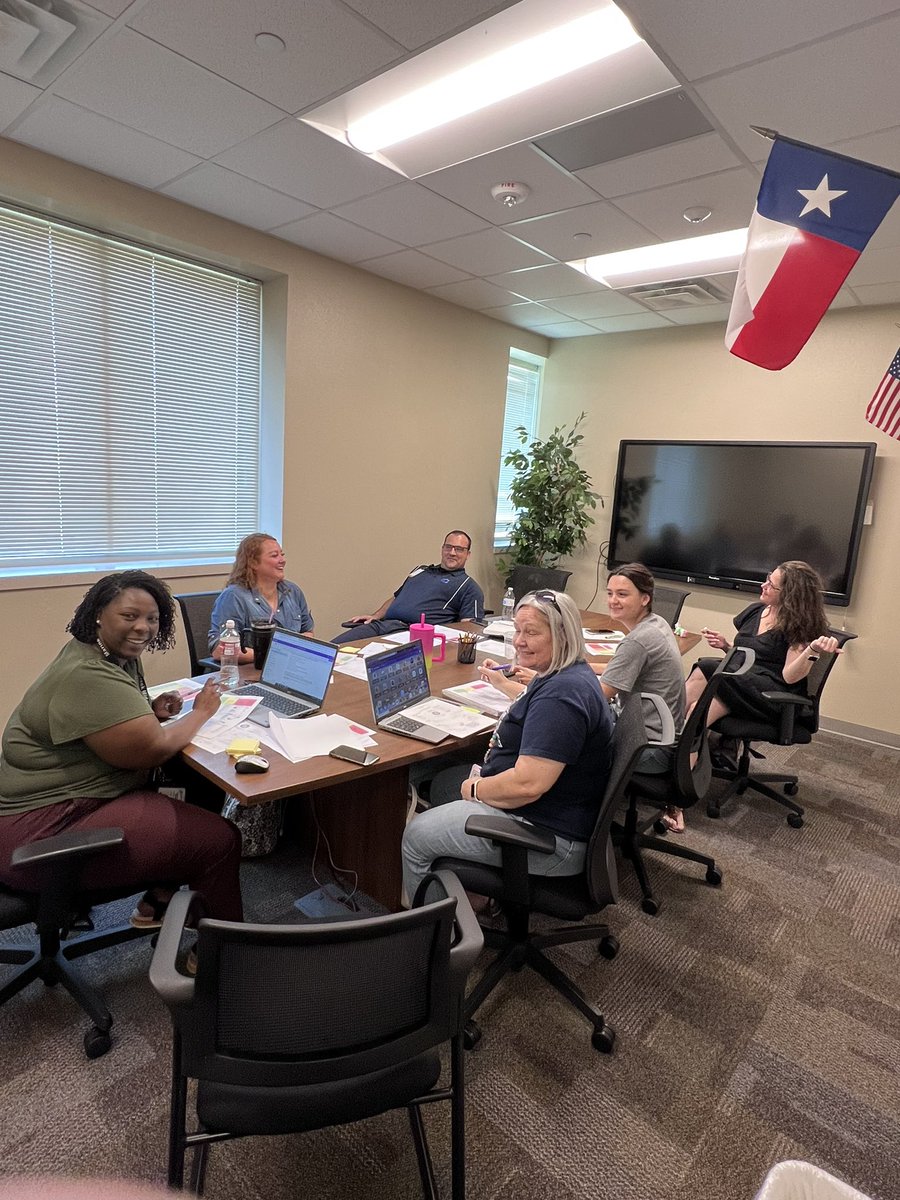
(601, 555)
(335, 869)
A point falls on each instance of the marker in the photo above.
(505, 667)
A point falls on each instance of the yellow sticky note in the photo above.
(243, 746)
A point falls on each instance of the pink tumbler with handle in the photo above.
(421, 631)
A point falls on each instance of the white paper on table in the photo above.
(402, 636)
(311, 736)
(185, 689)
(602, 648)
(217, 734)
(492, 648)
(500, 628)
(450, 718)
(354, 665)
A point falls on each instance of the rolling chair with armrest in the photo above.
(523, 580)
(569, 898)
(196, 615)
(668, 603)
(292, 1028)
(682, 787)
(61, 859)
(788, 731)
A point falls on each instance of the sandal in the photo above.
(152, 919)
(673, 819)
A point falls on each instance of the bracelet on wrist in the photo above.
(474, 793)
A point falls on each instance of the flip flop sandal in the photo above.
(153, 919)
(675, 824)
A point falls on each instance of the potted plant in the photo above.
(552, 497)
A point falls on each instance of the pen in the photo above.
(502, 667)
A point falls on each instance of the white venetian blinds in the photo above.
(523, 393)
(129, 403)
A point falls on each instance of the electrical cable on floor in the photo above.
(335, 869)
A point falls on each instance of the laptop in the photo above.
(294, 677)
(398, 682)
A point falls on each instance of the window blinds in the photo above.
(523, 390)
(129, 400)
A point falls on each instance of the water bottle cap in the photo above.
(229, 624)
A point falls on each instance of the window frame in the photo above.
(524, 386)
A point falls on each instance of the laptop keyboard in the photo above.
(280, 704)
(405, 724)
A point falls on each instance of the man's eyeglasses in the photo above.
(448, 549)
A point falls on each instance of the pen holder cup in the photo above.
(465, 650)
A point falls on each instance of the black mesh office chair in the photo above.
(799, 720)
(531, 579)
(291, 1028)
(568, 898)
(196, 616)
(668, 603)
(682, 787)
(60, 860)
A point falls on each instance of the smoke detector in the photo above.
(510, 194)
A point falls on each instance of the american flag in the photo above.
(884, 407)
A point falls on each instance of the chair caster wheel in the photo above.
(650, 905)
(791, 789)
(795, 820)
(608, 946)
(96, 1042)
(712, 811)
(713, 876)
(471, 1035)
(603, 1039)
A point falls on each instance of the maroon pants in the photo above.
(167, 842)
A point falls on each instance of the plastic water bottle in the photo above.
(230, 641)
(508, 605)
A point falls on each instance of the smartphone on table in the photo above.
(354, 754)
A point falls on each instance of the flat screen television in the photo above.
(725, 513)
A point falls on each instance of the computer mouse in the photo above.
(251, 764)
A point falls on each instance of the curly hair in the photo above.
(801, 612)
(243, 573)
(83, 626)
(639, 575)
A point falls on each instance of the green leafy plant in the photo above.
(552, 497)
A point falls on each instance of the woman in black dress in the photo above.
(787, 629)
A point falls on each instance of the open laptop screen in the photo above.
(397, 679)
(299, 665)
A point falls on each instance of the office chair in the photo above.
(532, 579)
(682, 787)
(196, 616)
(568, 898)
(786, 732)
(291, 1028)
(51, 910)
(668, 603)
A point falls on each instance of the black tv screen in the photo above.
(726, 513)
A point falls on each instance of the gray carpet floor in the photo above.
(757, 1022)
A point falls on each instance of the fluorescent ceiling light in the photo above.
(712, 254)
(509, 72)
(521, 74)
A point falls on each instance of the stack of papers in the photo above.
(299, 740)
(353, 662)
(224, 725)
(499, 628)
(480, 696)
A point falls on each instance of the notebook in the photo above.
(398, 683)
(294, 678)
(480, 695)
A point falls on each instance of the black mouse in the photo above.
(251, 764)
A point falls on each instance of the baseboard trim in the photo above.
(861, 733)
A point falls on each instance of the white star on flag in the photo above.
(819, 198)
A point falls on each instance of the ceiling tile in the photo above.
(473, 293)
(731, 195)
(878, 293)
(709, 36)
(216, 190)
(486, 253)
(150, 89)
(112, 8)
(327, 234)
(606, 303)
(655, 168)
(567, 329)
(409, 214)
(302, 162)
(469, 184)
(644, 320)
(544, 283)
(882, 148)
(814, 94)
(414, 269)
(15, 96)
(704, 314)
(219, 35)
(63, 129)
(879, 266)
(558, 235)
(415, 22)
(526, 315)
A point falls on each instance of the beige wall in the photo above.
(685, 385)
(393, 413)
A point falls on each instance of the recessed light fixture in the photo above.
(581, 237)
(697, 214)
(269, 43)
(515, 76)
(711, 254)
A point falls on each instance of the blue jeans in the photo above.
(441, 832)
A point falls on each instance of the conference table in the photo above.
(362, 810)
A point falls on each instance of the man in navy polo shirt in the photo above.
(443, 592)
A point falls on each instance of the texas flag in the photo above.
(814, 215)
